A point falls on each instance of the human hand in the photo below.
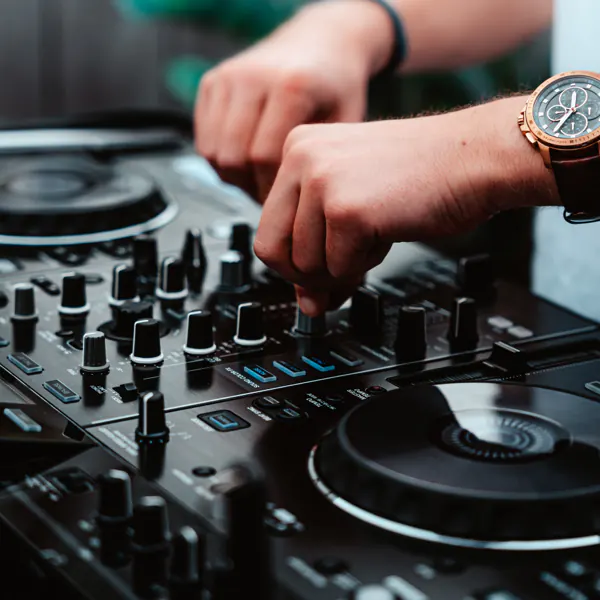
(345, 193)
(315, 68)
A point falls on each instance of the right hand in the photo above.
(315, 68)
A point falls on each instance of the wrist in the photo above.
(365, 26)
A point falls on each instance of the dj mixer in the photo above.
(171, 426)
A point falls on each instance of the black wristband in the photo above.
(400, 44)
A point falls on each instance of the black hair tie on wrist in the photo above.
(400, 44)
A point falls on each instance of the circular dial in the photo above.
(569, 108)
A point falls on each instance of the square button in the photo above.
(260, 373)
(224, 420)
(318, 363)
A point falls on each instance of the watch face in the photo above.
(569, 107)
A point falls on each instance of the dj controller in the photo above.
(171, 426)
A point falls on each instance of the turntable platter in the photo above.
(476, 464)
(62, 200)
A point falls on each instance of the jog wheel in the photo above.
(62, 200)
(479, 465)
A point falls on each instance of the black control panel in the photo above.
(173, 427)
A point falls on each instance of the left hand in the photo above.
(346, 192)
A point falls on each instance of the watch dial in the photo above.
(569, 107)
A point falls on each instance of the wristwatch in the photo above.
(562, 120)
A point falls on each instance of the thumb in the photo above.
(312, 302)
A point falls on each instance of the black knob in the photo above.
(250, 329)
(146, 343)
(94, 353)
(310, 326)
(24, 303)
(124, 285)
(476, 276)
(463, 333)
(171, 281)
(194, 259)
(366, 311)
(372, 592)
(152, 426)
(128, 314)
(200, 338)
(73, 300)
(145, 256)
(507, 358)
(115, 497)
(150, 545)
(411, 334)
(241, 241)
(233, 274)
(187, 560)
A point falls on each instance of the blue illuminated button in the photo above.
(289, 368)
(346, 357)
(318, 363)
(224, 420)
(61, 391)
(22, 420)
(260, 374)
(25, 363)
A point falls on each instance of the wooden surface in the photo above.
(68, 56)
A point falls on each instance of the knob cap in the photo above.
(476, 276)
(124, 285)
(241, 241)
(200, 338)
(233, 274)
(24, 302)
(411, 334)
(187, 557)
(146, 343)
(171, 282)
(250, 327)
(150, 545)
(194, 259)
(310, 326)
(366, 311)
(372, 592)
(94, 353)
(145, 256)
(128, 314)
(115, 497)
(73, 300)
(152, 426)
(463, 334)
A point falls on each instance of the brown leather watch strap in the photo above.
(578, 181)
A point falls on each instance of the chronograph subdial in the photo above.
(575, 125)
(556, 112)
(573, 97)
(591, 109)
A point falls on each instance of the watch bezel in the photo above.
(550, 140)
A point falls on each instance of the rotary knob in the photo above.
(463, 333)
(150, 545)
(145, 256)
(115, 497)
(146, 343)
(366, 311)
(94, 353)
(24, 303)
(233, 274)
(250, 327)
(411, 334)
(309, 326)
(241, 241)
(124, 285)
(187, 558)
(127, 315)
(200, 336)
(152, 426)
(73, 300)
(171, 281)
(476, 276)
(194, 259)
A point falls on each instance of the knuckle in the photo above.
(263, 155)
(343, 214)
(316, 183)
(296, 83)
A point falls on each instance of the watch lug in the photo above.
(545, 152)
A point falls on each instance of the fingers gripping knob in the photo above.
(200, 337)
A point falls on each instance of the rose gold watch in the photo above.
(562, 120)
